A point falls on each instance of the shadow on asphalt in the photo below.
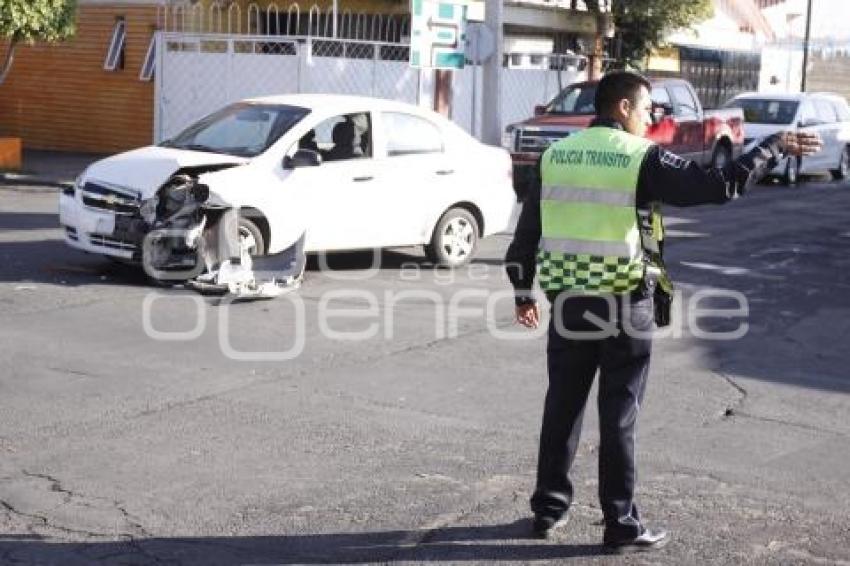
(447, 545)
(13, 221)
(53, 262)
(796, 290)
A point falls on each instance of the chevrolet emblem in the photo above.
(110, 199)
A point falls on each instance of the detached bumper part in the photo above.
(203, 237)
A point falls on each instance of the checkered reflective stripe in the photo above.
(588, 273)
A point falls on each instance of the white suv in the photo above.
(824, 113)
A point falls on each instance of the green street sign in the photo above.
(437, 34)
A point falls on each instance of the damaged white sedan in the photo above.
(254, 186)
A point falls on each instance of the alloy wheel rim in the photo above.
(247, 241)
(458, 239)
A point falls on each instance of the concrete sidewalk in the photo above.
(48, 168)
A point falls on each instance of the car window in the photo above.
(347, 136)
(408, 134)
(574, 100)
(765, 110)
(807, 114)
(660, 95)
(825, 112)
(242, 129)
(685, 104)
(842, 111)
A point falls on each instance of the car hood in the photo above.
(759, 131)
(146, 169)
(548, 121)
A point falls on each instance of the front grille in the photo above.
(118, 201)
(114, 243)
(536, 141)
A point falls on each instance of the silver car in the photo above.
(823, 113)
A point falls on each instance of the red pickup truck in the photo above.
(709, 137)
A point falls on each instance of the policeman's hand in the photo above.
(800, 143)
(528, 315)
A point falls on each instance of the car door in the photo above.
(688, 139)
(809, 122)
(828, 130)
(419, 175)
(339, 196)
(663, 131)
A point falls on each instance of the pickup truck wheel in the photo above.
(455, 239)
(792, 171)
(250, 237)
(843, 165)
(721, 156)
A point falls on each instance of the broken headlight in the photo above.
(148, 209)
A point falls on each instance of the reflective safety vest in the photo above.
(590, 240)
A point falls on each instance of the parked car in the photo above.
(352, 172)
(826, 114)
(709, 137)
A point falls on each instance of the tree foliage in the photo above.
(34, 20)
(643, 25)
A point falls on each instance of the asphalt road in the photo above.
(391, 416)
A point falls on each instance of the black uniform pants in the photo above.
(621, 355)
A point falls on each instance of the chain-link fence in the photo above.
(199, 73)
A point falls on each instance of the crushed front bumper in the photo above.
(91, 230)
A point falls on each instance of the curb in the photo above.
(23, 182)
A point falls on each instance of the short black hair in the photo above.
(616, 86)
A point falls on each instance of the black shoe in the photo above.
(647, 540)
(544, 525)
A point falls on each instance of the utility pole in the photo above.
(491, 103)
(806, 45)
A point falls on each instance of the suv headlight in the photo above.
(508, 138)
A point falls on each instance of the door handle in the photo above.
(445, 171)
(364, 178)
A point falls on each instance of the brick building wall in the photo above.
(58, 96)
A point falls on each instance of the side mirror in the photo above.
(660, 110)
(302, 158)
(539, 109)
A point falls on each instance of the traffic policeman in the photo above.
(586, 231)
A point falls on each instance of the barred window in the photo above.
(115, 55)
(149, 64)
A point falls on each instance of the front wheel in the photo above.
(251, 238)
(843, 165)
(721, 157)
(455, 239)
(792, 171)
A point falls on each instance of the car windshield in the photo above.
(574, 100)
(765, 111)
(242, 129)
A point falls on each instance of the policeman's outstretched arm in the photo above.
(670, 179)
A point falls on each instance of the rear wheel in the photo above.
(455, 238)
(792, 171)
(843, 165)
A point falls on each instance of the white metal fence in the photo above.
(287, 19)
(199, 73)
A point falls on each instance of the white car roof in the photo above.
(796, 96)
(340, 103)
